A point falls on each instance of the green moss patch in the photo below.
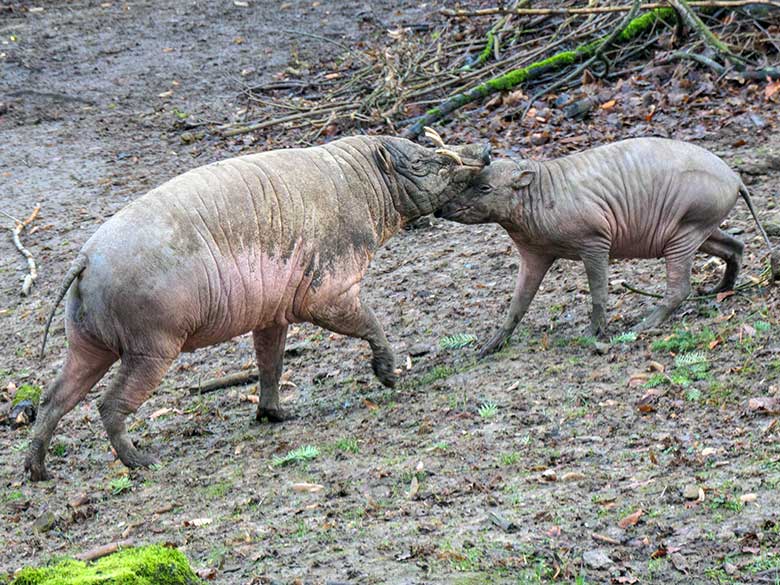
(146, 565)
(27, 392)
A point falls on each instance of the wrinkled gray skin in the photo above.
(639, 198)
(252, 243)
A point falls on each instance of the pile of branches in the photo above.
(414, 79)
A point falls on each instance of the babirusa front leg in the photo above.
(529, 276)
(269, 352)
(348, 316)
(597, 268)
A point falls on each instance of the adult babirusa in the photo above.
(639, 198)
(251, 243)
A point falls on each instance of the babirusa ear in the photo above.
(383, 160)
(521, 179)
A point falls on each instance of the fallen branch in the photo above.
(32, 276)
(238, 379)
(533, 71)
(702, 60)
(600, 9)
(762, 74)
(105, 550)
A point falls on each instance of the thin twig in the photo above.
(234, 131)
(8, 215)
(737, 289)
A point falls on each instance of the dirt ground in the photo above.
(550, 462)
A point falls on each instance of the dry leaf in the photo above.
(631, 519)
(370, 405)
(159, 413)
(637, 379)
(748, 498)
(771, 89)
(679, 562)
(309, 488)
(723, 295)
(721, 318)
(655, 366)
(414, 487)
(660, 552)
(209, 574)
(573, 476)
(608, 105)
(198, 522)
(765, 404)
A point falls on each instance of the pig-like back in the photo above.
(634, 195)
(239, 244)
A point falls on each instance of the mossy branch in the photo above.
(513, 78)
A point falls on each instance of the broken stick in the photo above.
(32, 275)
(239, 379)
(105, 550)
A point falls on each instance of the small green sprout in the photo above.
(305, 453)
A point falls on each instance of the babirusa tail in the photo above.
(774, 255)
(76, 268)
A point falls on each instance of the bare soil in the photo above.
(560, 440)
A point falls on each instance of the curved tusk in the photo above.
(434, 137)
(453, 155)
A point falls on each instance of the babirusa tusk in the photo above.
(453, 155)
(434, 137)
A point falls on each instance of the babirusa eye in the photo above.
(485, 188)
